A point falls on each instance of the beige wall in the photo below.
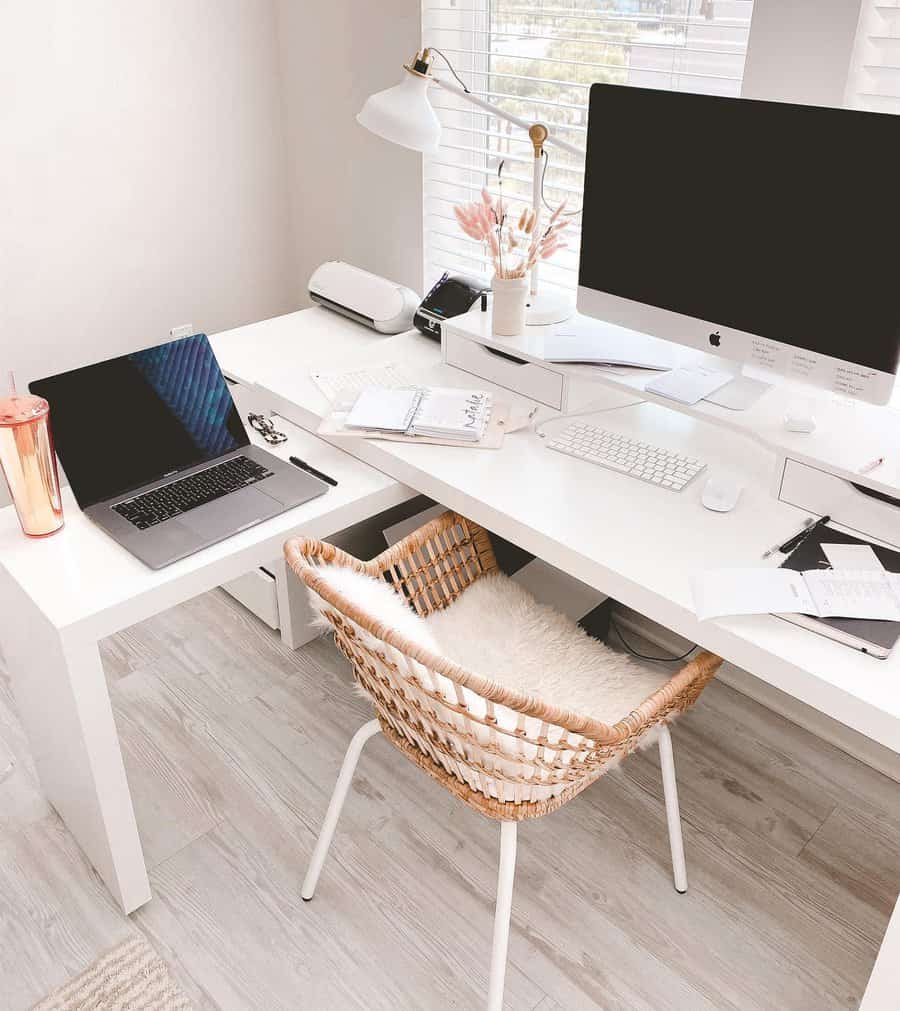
(143, 175)
(355, 197)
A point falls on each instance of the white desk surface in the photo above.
(848, 434)
(631, 540)
(80, 576)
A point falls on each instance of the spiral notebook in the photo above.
(432, 412)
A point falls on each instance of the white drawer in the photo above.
(525, 378)
(256, 591)
(822, 493)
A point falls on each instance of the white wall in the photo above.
(142, 172)
(355, 197)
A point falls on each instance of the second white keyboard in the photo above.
(617, 452)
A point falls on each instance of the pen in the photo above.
(871, 466)
(807, 523)
(795, 542)
(303, 465)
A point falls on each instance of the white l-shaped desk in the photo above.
(635, 542)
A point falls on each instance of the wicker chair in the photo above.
(510, 756)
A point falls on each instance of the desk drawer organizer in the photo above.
(536, 381)
(849, 503)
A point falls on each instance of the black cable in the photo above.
(565, 214)
(643, 656)
(461, 82)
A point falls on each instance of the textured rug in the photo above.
(131, 977)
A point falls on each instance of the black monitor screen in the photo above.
(126, 422)
(778, 220)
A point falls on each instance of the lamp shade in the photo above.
(403, 115)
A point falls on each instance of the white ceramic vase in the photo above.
(510, 296)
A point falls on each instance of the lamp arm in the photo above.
(501, 114)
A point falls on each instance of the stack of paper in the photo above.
(591, 342)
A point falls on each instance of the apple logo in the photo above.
(715, 339)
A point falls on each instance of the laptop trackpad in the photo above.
(229, 514)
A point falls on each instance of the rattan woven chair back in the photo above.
(507, 754)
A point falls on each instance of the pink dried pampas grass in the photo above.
(515, 244)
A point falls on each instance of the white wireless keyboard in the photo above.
(627, 456)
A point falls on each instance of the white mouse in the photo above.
(721, 494)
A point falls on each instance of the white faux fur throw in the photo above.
(497, 629)
(500, 631)
(379, 600)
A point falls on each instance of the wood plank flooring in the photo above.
(232, 744)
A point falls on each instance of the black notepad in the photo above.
(868, 635)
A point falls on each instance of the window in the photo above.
(875, 75)
(538, 60)
(874, 81)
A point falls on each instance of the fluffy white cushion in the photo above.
(379, 600)
(500, 631)
(497, 629)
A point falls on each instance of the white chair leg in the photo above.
(345, 777)
(673, 815)
(502, 912)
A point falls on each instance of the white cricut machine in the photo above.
(383, 305)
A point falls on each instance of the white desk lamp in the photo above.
(404, 115)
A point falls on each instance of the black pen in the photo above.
(798, 539)
(303, 465)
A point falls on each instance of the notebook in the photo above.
(382, 410)
(870, 635)
(433, 412)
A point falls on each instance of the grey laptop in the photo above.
(156, 453)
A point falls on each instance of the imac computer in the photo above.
(762, 233)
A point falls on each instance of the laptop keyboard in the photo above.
(170, 500)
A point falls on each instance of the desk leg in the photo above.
(296, 617)
(64, 705)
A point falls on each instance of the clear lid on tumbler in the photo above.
(20, 408)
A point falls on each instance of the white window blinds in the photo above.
(538, 61)
(875, 77)
(874, 81)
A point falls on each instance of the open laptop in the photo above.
(156, 453)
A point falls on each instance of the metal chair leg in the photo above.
(673, 815)
(502, 912)
(335, 805)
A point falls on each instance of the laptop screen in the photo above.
(126, 422)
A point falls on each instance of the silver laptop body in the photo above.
(165, 413)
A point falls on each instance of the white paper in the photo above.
(381, 410)
(596, 343)
(688, 386)
(825, 593)
(856, 557)
(720, 592)
(846, 594)
(451, 413)
(388, 376)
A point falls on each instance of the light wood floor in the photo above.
(232, 745)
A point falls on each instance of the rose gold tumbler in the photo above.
(28, 461)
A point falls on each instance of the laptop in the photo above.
(157, 455)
